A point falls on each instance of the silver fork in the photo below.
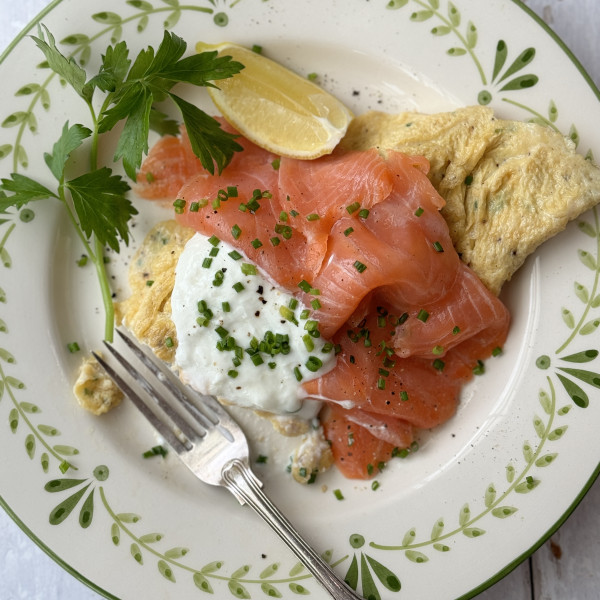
(212, 445)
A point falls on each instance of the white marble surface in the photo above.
(565, 568)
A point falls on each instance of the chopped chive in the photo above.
(384, 372)
(242, 207)
(312, 76)
(218, 280)
(216, 203)
(256, 243)
(381, 383)
(238, 287)
(222, 332)
(256, 359)
(284, 230)
(73, 347)
(222, 195)
(155, 451)
(202, 321)
(149, 282)
(381, 322)
(312, 217)
(338, 494)
(275, 241)
(404, 395)
(169, 342)
(456, 330)
(266, 194)
(276, 163)
(353, 207)
(375, 485)
(213, 240)
(308, 342)
(232, 373)
(360, 267)
(314, 291)
(272, 365)
(363, 213)
(288, 314)
(438, 247)
(232, 191)
(253, 205)
(293, 303)
(82, 261)
(206, 263)
(313, 363)
(497, 351)
(294, 213)
(305, 314)
(423, 315)
(419, 212)
(226, 306)
(248, 269)
(179, 206)
(236, 232)
(213, 252)
(283, 216)
(297, 374)
(257, 48)
(327, 348)
(150, 177)
(437, 350)
(304, 286)
(479, 368)
(315, 303)
(311, 325)
(261, 459)
(348, 231)
(370, 468)
(439, 364)
(402, 318)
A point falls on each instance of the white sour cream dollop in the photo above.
(254, 304)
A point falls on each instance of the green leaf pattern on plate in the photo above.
(499, 500)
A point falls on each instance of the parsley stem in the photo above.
(109, 309)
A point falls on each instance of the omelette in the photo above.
(508, 185)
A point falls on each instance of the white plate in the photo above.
(482, 492)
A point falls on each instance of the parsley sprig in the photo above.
(96, 201)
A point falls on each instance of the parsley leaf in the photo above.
(100, 203)
(114, 68)
(150, 79)
(133, 142)
(201, 69)
(160, 122)
(24, 190)
(70, 139)
(66, 68)
(210, 143)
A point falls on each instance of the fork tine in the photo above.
(188, 431)
(159, 425)
(167, 379)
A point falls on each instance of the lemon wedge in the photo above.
(277, 109)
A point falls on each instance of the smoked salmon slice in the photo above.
(360, 239)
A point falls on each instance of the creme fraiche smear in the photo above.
(240, 336)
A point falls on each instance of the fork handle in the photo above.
(239, 479)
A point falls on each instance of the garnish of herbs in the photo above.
(129, 91)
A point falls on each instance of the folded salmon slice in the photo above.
(410, 321)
